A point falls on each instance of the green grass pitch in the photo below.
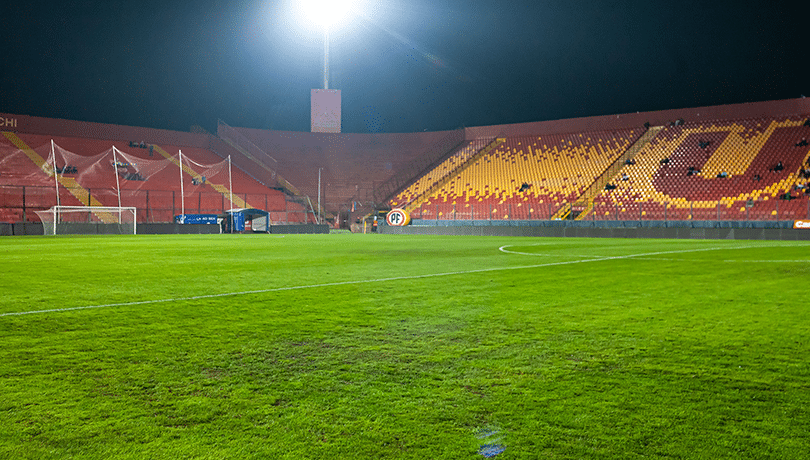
(421, 347)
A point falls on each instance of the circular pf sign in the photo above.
(398, 218)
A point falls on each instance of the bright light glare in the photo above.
(326, 12)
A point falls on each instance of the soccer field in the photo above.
(382, 346)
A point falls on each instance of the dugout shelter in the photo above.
(246, 220)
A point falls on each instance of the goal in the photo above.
(88, 220)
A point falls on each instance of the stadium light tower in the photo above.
(326, 14)
(325, 104)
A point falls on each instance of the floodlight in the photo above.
(326, 13)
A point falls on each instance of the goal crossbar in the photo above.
(88, 220)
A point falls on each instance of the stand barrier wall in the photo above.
(753, 230)
(752, 210)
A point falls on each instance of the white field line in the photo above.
(807, 261)
(739, 261)
(641, 256)
(377, 280)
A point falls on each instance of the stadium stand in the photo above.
(88, 178)
(747, 163)
(424, 183)
(527, 177)
(723, 170)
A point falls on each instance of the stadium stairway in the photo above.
(239, 146)
(281, 209)
(584, 204)
(81, 194)
(286, 185)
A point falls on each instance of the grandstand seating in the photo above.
(157, 199)
(540, 170)
(555, 168)
(660, 186)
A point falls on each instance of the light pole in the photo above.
(325, 57)
(325, 107)
(319, 193)
(326, 13)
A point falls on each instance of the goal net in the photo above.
(88, 220)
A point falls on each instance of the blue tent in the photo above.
(242, 220)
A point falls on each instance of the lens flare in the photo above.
(326, 13)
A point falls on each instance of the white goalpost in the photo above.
(89, 220)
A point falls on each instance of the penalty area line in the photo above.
(505, 249)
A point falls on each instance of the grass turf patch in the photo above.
(572, 348)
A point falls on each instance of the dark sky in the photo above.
(402, 66)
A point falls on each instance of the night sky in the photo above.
(402, 66)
